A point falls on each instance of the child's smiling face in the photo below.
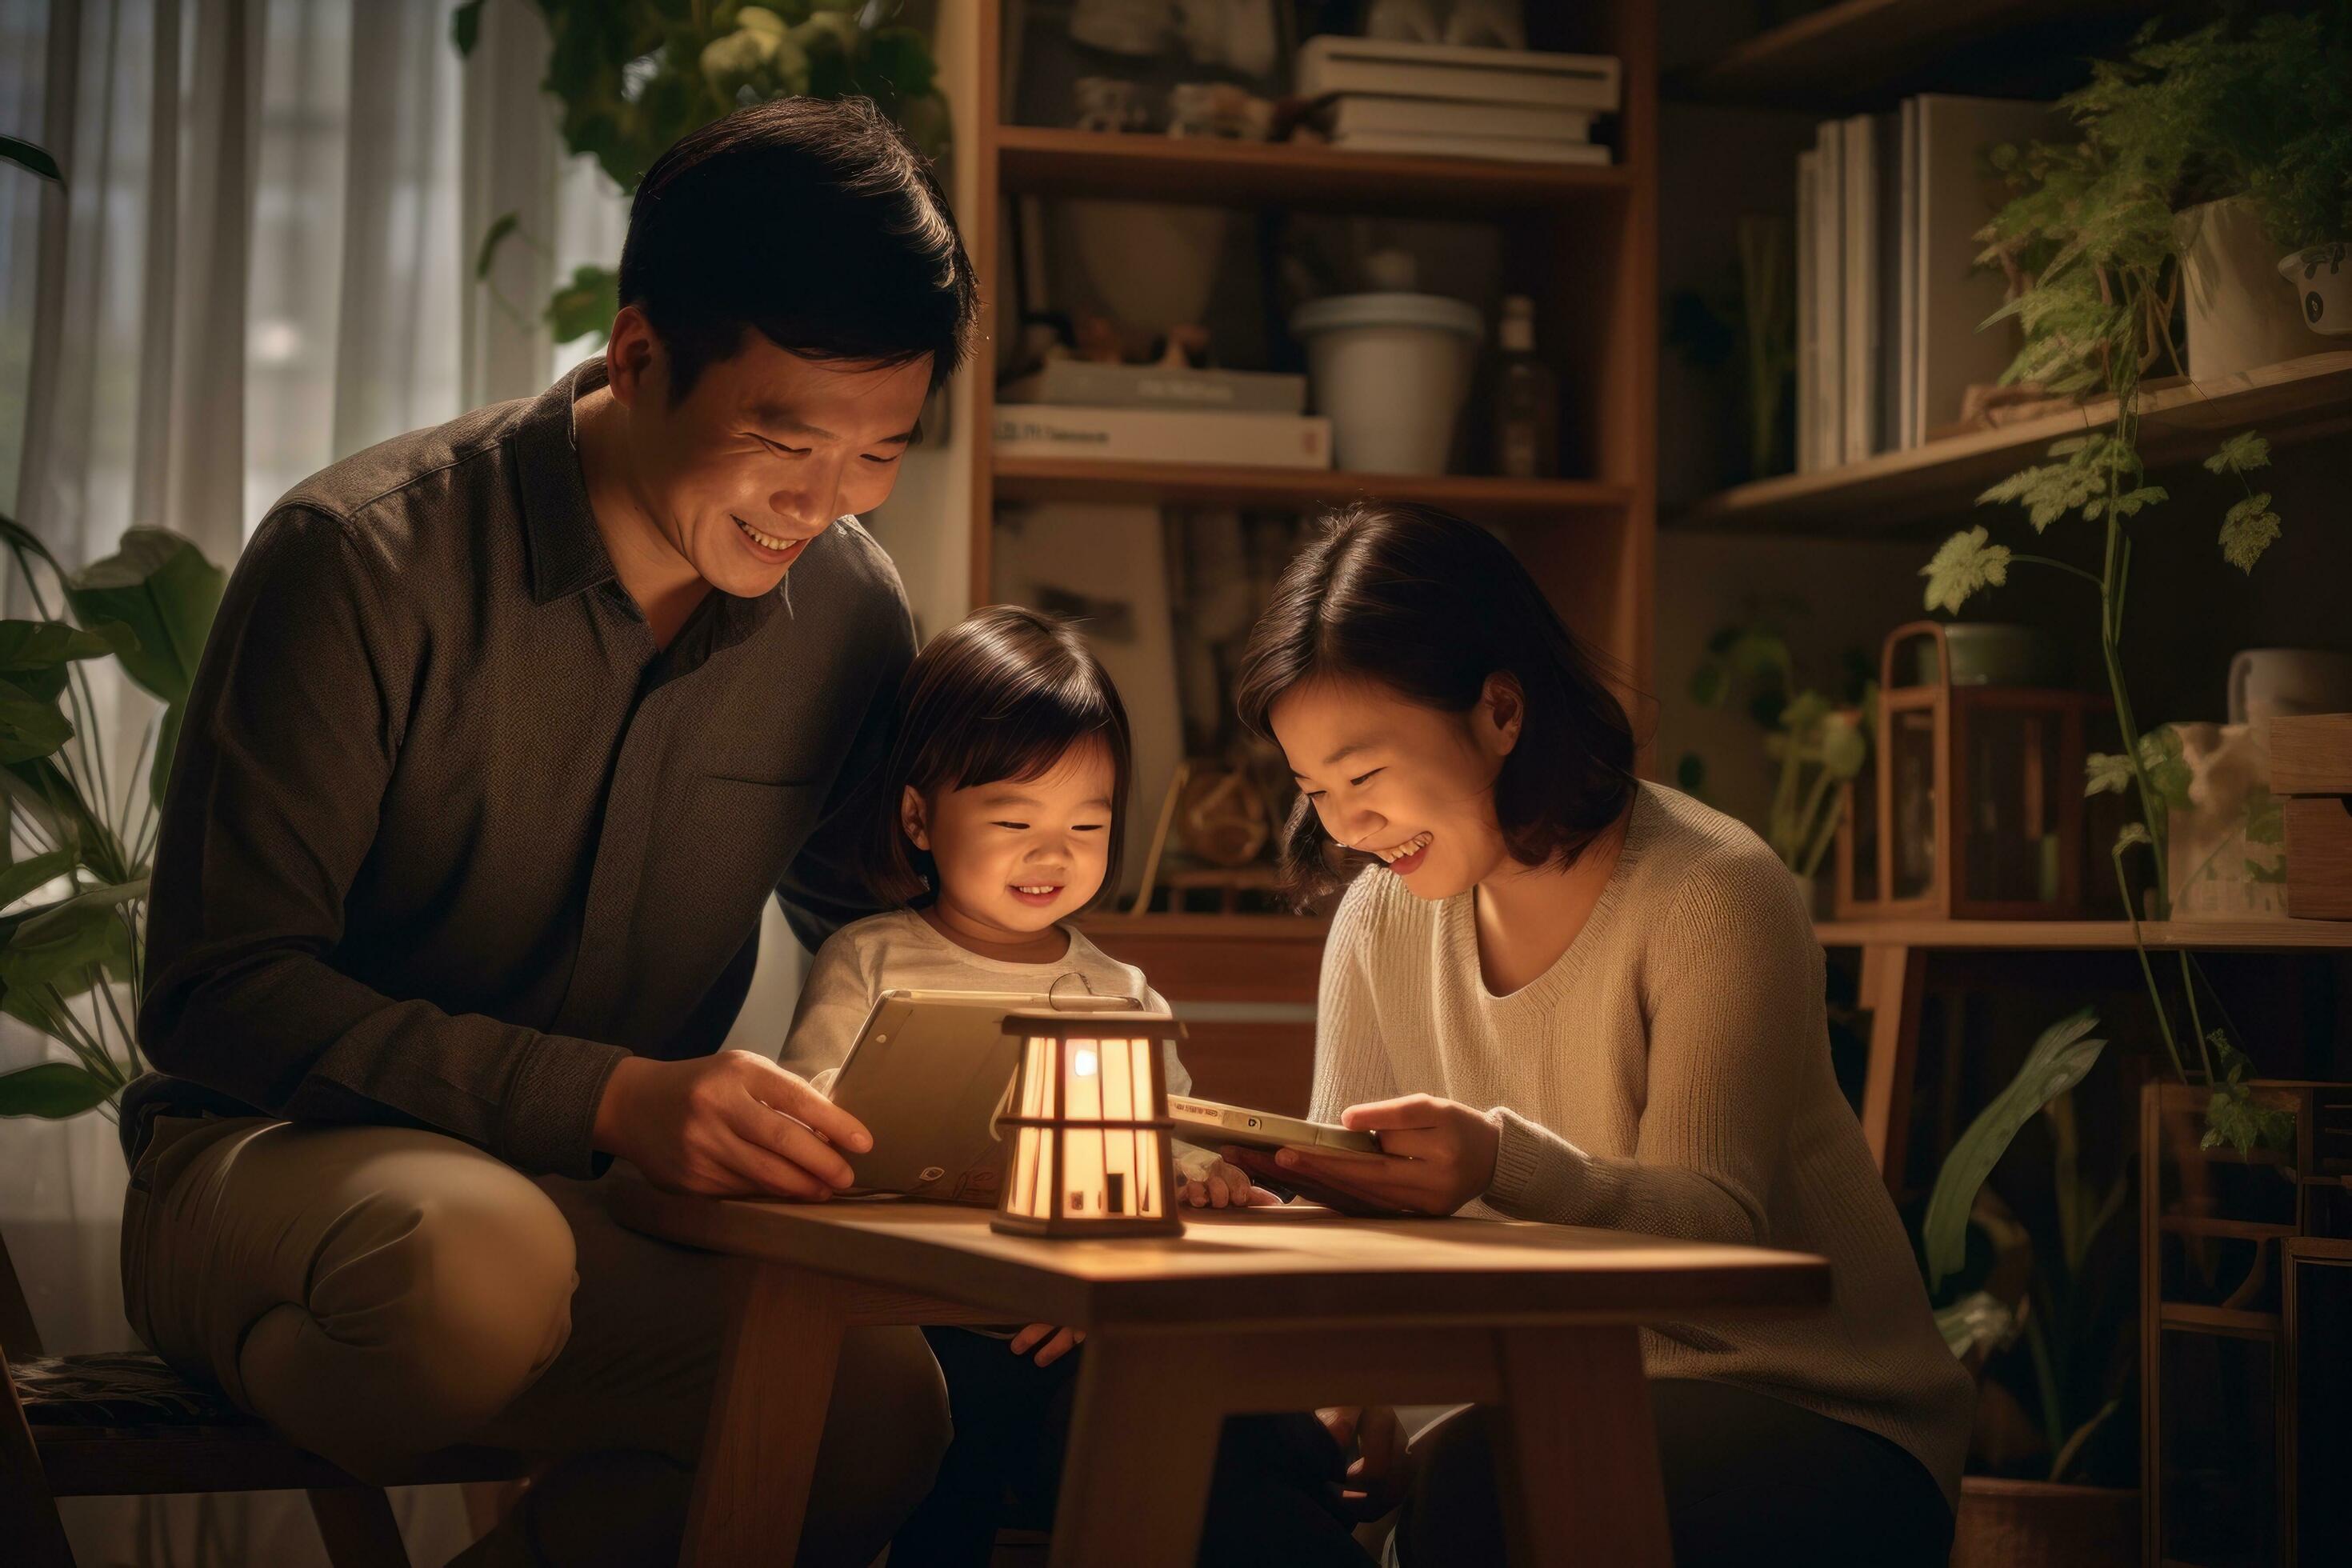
(1015, 856)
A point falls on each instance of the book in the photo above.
(1511, 149)
(1329, 64)
(1957, 199)
(1163, 435)
(1808, 332)
(1089, 384)
(1828, 218)
(1889, 365)
(1906, 279)
(1360, 113)
(1858, 339)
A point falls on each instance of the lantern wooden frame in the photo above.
(1955, 711)
(1052, 1126)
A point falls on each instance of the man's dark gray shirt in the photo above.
(447, 836)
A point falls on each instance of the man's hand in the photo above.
(1058, 1342)
(1436, 1155)
(1221, 1183)
(1377, 1476)
(728, 1125)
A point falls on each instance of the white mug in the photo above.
(2274, 682)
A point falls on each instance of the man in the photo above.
(505, 734)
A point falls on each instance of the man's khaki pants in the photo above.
(375, 1293)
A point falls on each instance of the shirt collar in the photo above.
(567, 554)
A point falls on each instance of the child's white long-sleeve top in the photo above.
(900, 952)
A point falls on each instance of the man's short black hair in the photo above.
(814, 221)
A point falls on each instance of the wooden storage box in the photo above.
(2311, 772)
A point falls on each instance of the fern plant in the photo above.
(2092, 246)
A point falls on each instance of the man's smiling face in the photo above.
(764, 451)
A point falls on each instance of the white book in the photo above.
(1859, 340)
(1889, 366)
(1510, 148)
(1087, 381)
(1363, 113)
(1956, 200)
(1329, 63)
(1163, 436)
(1808, 316)
(1829, 296)
(1906, 280)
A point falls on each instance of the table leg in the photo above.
(1143, 1446)
(1894, 980)
(767, 1417)
(1582, 1461)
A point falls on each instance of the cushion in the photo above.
(126, 1388)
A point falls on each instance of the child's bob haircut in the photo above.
(998, 696)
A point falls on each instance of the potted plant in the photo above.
(2217, 149)
(2051, 1313)
(2090, 242)
(1816, 743)
(633, 76)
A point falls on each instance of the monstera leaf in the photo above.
(160, 587)
(2057, 1063)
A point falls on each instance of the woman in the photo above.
(1563, 994)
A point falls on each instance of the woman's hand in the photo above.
(1058, 1342)
(1377, 1476)
(1221, 1183)
(1436, 1155)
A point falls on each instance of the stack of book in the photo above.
(1159, 414)
(1889, 294)
(1448, 100)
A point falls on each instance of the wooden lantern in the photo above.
(1091, 1153)
(1976, 811)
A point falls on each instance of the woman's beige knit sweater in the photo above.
(1670, 1074)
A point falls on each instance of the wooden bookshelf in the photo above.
(2297, 400)
(1844, 53)
(1472, 495)
(2279, 935)
(1581, 239)
(1041, 161)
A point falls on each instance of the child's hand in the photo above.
(1058, 1342)
(1219, 1183)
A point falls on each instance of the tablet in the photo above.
(927, 1077)
(1210, 1124)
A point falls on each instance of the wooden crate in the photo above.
(2311, 772)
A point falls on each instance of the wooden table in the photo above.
(1267, 1309)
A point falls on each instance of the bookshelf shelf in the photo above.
(1835, 54)
(2280, 936)
(1037, 161)
(1069, 478)
(2298, 399)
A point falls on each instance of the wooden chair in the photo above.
(94, 1426)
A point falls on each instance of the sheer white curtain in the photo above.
(262, 262)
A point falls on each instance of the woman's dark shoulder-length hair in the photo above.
(1000, 695)
(1429, 606)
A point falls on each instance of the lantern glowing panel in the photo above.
(1091, 1153)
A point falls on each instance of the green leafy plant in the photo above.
(149, 606)
(86, 842)
(633, 76)
(1817, 744)
(2055, 1299)
(2093, 251)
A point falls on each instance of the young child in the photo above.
(1004, 796)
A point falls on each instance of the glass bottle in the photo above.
(1526, 399)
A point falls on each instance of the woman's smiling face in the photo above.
(1412, 785)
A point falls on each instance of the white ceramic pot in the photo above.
(2273, 682)
(2321, 277)
(1390, 371)
(2240, 318)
